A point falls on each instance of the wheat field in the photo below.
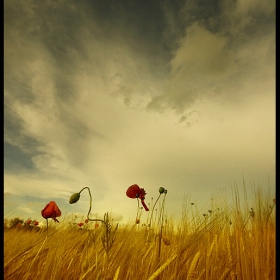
(227, 242)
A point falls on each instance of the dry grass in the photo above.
(227, 244)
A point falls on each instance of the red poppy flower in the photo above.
(36, 223)
(80, 224)
(135, 191)
(51, 211)
(86, 221)
(96, 225)
(28, 222)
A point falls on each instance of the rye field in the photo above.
(235, 240)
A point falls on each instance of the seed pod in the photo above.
(161, 190)
(74, 198)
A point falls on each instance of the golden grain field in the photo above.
(229, 242)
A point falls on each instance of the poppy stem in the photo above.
(144, 205)
(161, 225)
(137, 208)
(90, 203)
(149, 224)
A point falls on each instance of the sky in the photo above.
(107, 94)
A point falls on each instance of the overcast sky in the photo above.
(106, 94)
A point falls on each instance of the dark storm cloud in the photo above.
(15, 160)
(47, 25)
(154, 30)
(238, 20)
(74, 35)
(191, 47)
(225, 44)
(17, 147)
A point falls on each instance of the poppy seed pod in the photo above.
(161, 190)
(74, 198)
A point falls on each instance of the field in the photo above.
(234, 241)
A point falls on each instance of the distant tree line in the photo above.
(20, 223)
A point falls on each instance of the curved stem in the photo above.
(90, 199)
(90, 203)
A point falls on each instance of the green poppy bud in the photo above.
(74, 198)
(165, 191)
(161, 190)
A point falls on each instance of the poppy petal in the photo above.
(144, 205)
(51, 211)
(133, 191)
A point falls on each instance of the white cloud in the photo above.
(212, 116)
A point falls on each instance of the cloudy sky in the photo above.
(106, 94)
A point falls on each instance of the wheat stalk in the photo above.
(201, 274)
(229, 252)
(211, 247)
(160, 270)
(193, 266)
(117, 273)
(88, 271)
(227, 272)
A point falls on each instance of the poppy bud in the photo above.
(74, 198)
(161, 190)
